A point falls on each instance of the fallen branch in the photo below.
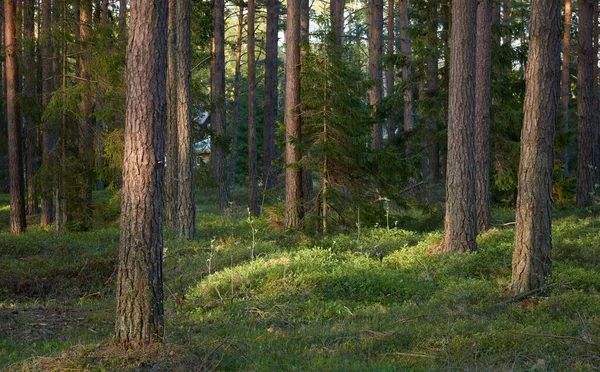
(413, 355)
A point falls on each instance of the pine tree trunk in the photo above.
(236, 104)
(389, 72)
(186, 215)
(29, 94)
(104, 15)
(409, 119)
(482, 113)
(271, 94)
(172, 171)
(123, 19)
(252, 156)
(532, 262)
(375, 44)
(432, 88)
(507, 37)
(293, 175)
(336, 14)
(307, 177)
(140, 311)
(587, 143)
(460, 224)
(15, 152)
(218, 99)
(48, 129)
(565, 90)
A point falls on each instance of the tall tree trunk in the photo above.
(15, 153)
(236, 104)
(460, 224)
(48, 129)
(293, 175)
(374, 36)
(482, 113)
(186, 215)
(336, 14)
(86, 135)
(218, 99)
(123, 19)
(532, 262)
(409, 119)
(252, 156)
(104, 15)
(271, 93)
(60, 70)
(29, 94)
(432, 88)
(586, 90)
(140, 311)
(565, 89)
(172, 171)
(389, 72)
(507, 37)
(307, 177)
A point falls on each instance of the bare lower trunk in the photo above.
(389, 72)
(271, 93)
(307, 177)
(140, 310)
(565, 85)
(29, 94)
(236, 104)
(252, 156)
(375, 44)
(172, 171)
(532, 262)
(409, 121)
(460, 223)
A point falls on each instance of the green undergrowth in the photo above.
(247, 296)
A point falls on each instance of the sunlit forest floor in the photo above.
(248, 296)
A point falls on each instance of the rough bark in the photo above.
(29, 96)
(293, 175)
(565, 89)
(389, 72)
(218, 100)
(171, 174)
(587, 143)
(271, 93)
(48, 129)
(140, 311)
(460, 223)
(482, 113)
(405, 48)
(15, 151)
(252, 155)
(186, 215)
(375, 46)
(236, 104)
(532, 262)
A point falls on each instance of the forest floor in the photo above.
(247, 296)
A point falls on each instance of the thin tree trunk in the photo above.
(218, 99)
(482, 113)
(532, 262)
(236, 104)
(307, 177)
(271, 94)
(123, 19)
(48, 129)
(172, 171)
(432, 88)
(507, 37)
(29, 94)
(293, 175)
(186, 215)
(104, 15)
(409, 120)
(565, 89)
(15, 153)
(140, 311)
(336, 14)
(460, 223)
(389, 72)
(375, 44)
(252, 156)
(586, 90)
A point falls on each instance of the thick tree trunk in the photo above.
(48, 129)
(252, 156)
(482, 113)
(271, 93)
(29, 94)
(565, 88)
(532, 262)
(218, 99)
(409, 117)
(293, 175)
(236, 104)
(587, 143)
(172, 171)
(186, 215)
(460, 224)
(307, 177)
(389, 72)
(140, 311)
(375, 45)
(15, 153)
